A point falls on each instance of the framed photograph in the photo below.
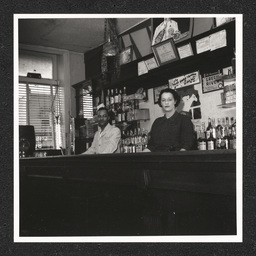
(157, 91)
(126, 55)
(165, 52)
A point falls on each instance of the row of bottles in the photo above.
(220, 136)
(115, 97)
(122, 112)
(134, 141)
(120, 109)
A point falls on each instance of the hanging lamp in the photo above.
(110, 51)
(110, 48)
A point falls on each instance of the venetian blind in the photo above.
(87, 106)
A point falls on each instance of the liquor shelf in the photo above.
(176, 193)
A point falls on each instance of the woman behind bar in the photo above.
(173, 131)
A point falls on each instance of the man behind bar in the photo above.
(106, 140)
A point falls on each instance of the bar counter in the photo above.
(176, 193)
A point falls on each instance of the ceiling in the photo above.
(73, 34)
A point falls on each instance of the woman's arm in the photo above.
(151, 143)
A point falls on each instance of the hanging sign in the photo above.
(185, 80)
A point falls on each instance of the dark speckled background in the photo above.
(8, 8)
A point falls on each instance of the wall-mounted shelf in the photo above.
(215, 60)
(228, 105)
(226, 78)
(205, 62)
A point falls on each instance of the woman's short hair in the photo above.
(173, 92)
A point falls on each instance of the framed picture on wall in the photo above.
(126, 55)
(165, 52)
(157, 90)
(178, 28)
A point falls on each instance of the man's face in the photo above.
(102, 118)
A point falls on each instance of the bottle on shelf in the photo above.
(211, 142)
(102, 99)
(233, 122)
(107, 99)
(124, 95)
(112, 97)
(120, 96)
(213, 128)
(123, 113)
(116, 97)
(119, 114)
(122, 146)
(111, 115)
(219, 132)
(227, 133)
(230, 138)
(201, 142)
(208, 129)
(138, 140)
(132, 143)
(145, 137)
(223, 141)
(124, 142)
(234, 137)
(232, 133)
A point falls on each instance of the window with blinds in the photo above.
(42, 106)
(41, 101)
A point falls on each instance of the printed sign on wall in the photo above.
(211, 82)
(185, 80)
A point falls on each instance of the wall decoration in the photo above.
(142, 68)
(212, 42)
(151, 63)
(177, 28)
(185, 80)
(218, 40)
(203, 45)
(157, 91)
(227, 71)
(126, 55)
(165, 52)
(222, 20)
(185, 51)
(190, 102)
(211, 82)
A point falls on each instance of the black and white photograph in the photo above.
(95, 160)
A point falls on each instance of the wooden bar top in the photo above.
(201, 171)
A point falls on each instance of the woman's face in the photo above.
(168, 102)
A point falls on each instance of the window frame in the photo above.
(42, 54)
(47, 82)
